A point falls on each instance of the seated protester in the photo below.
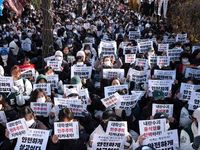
(92, 48)
(41, 79)
(38, 95)
(158, 98)
(32, 123)
(16, 52)
(11, 115)
(66, 115)
(7, 61)
(83, 55)
(88, 53)
(150, 52)
(25, 62)
(50, 71)
(23, 90)
(185, 59)
(64, 73)
(66, 53)
(115, 81)
(187, 46)
(17, 40)
(108, 115)
(189, 138)
(196, 57)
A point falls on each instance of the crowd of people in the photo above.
(80, 41)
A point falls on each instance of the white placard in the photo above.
(61, 103)
(134, 35)
(77, 109)
(107, 48)
(113, 73)
(17, 128)
(186, 91)
(117, 128)
(195, 48)
(128, 49)
(104, 142)
(36, 139)
(165, 74)
(91, 39)
(84, 96)
(6, 84)
(26, 46)
(163, 47)
(143, 46)
(139, 76)
(139, 93)
(51, 58)
(73, 86)
(130, 58)
(153, 128)
(152, 60)
(191, 72)
(166, 108)
(41, 109)
(124, 44)
(163, 61)
(53, 80)
(82, 72)
(181, 38)
(3, 117)
(46, 87)
(110, 101)
(70, 59)
(26, 74)
(86, 25)
(171, 41)
(126, 102)
(20, 84)
(164, 85)
(194, 102)
(109, 90)
(66, 130)
(174, 54)
(69, 27)
(55, 65)
(141, 62)
(169, 142)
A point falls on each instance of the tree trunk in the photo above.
(47, 35)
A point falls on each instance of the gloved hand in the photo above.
(116, 57)
(101, 56)
(196, 142)
(16, 89)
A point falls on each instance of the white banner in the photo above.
(36, 140)
(152, 60)
(139, 76)
(55, 65)
(163, 61)
(164, 85)
(107, 48)
(109, 90)
(126, 102)
(117, 128)
(53, 80)
(163, 47)
(111, 101)
(17, 128)
(6, 84)
(77, 109)
(130, 58)
(165, 74)
(153, 128)
(46, 87)
(66, 130)
(113, 73)
(41, 109)
(141, 62)
(143, 46)
(166, 108)
(82, 72)
(174, 54)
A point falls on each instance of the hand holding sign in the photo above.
(55, 139)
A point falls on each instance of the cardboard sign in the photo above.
(163, 47)
(152, 60)
(3, 117)
(82, 72)
(130, 58)
(17, 128)
(107, 48)
(61, 103)
(141, 62)
(163, 61)
(165, 74)
(139, 76)
(77, 109)
(139, 93)
(110, 101)
(55, 65)
(153, 128)
(105, 142)
(113, 73)
(127, 102)
(192, 72)
(109, 90)
(46, 87)
(134, 35)
(20, 84)
(174, 54)
(164, 85)
(129, 49)
(166, 108)
(117, 128)
(186, 91)
(194, 102)
(66, 130)
(41, 109)
(169, 142)
(36, 139)
(143, 46)
(6, 84)
(53, 80)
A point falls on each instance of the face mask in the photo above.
(167, 126)
(89, 32)
(74, 31)
(30, 122)
(107, 63)
(58, 58)
(69, 45)
(5, 46)
(15, 40)
(184, 60)
(4, 57)
(4, 36)
(11, 32)
(41, 100)
(29, 34)
(150, 53)
(150, 34)
(140, 25)
(54, 36)
(87, 51)
(79, 63)
(32, 30)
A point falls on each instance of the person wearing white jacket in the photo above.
(189, 139)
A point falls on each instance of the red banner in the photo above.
(25, 68)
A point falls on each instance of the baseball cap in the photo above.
(158, 93)
(4, 51)
(150, 48)
(109, 113)
(76, 80)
